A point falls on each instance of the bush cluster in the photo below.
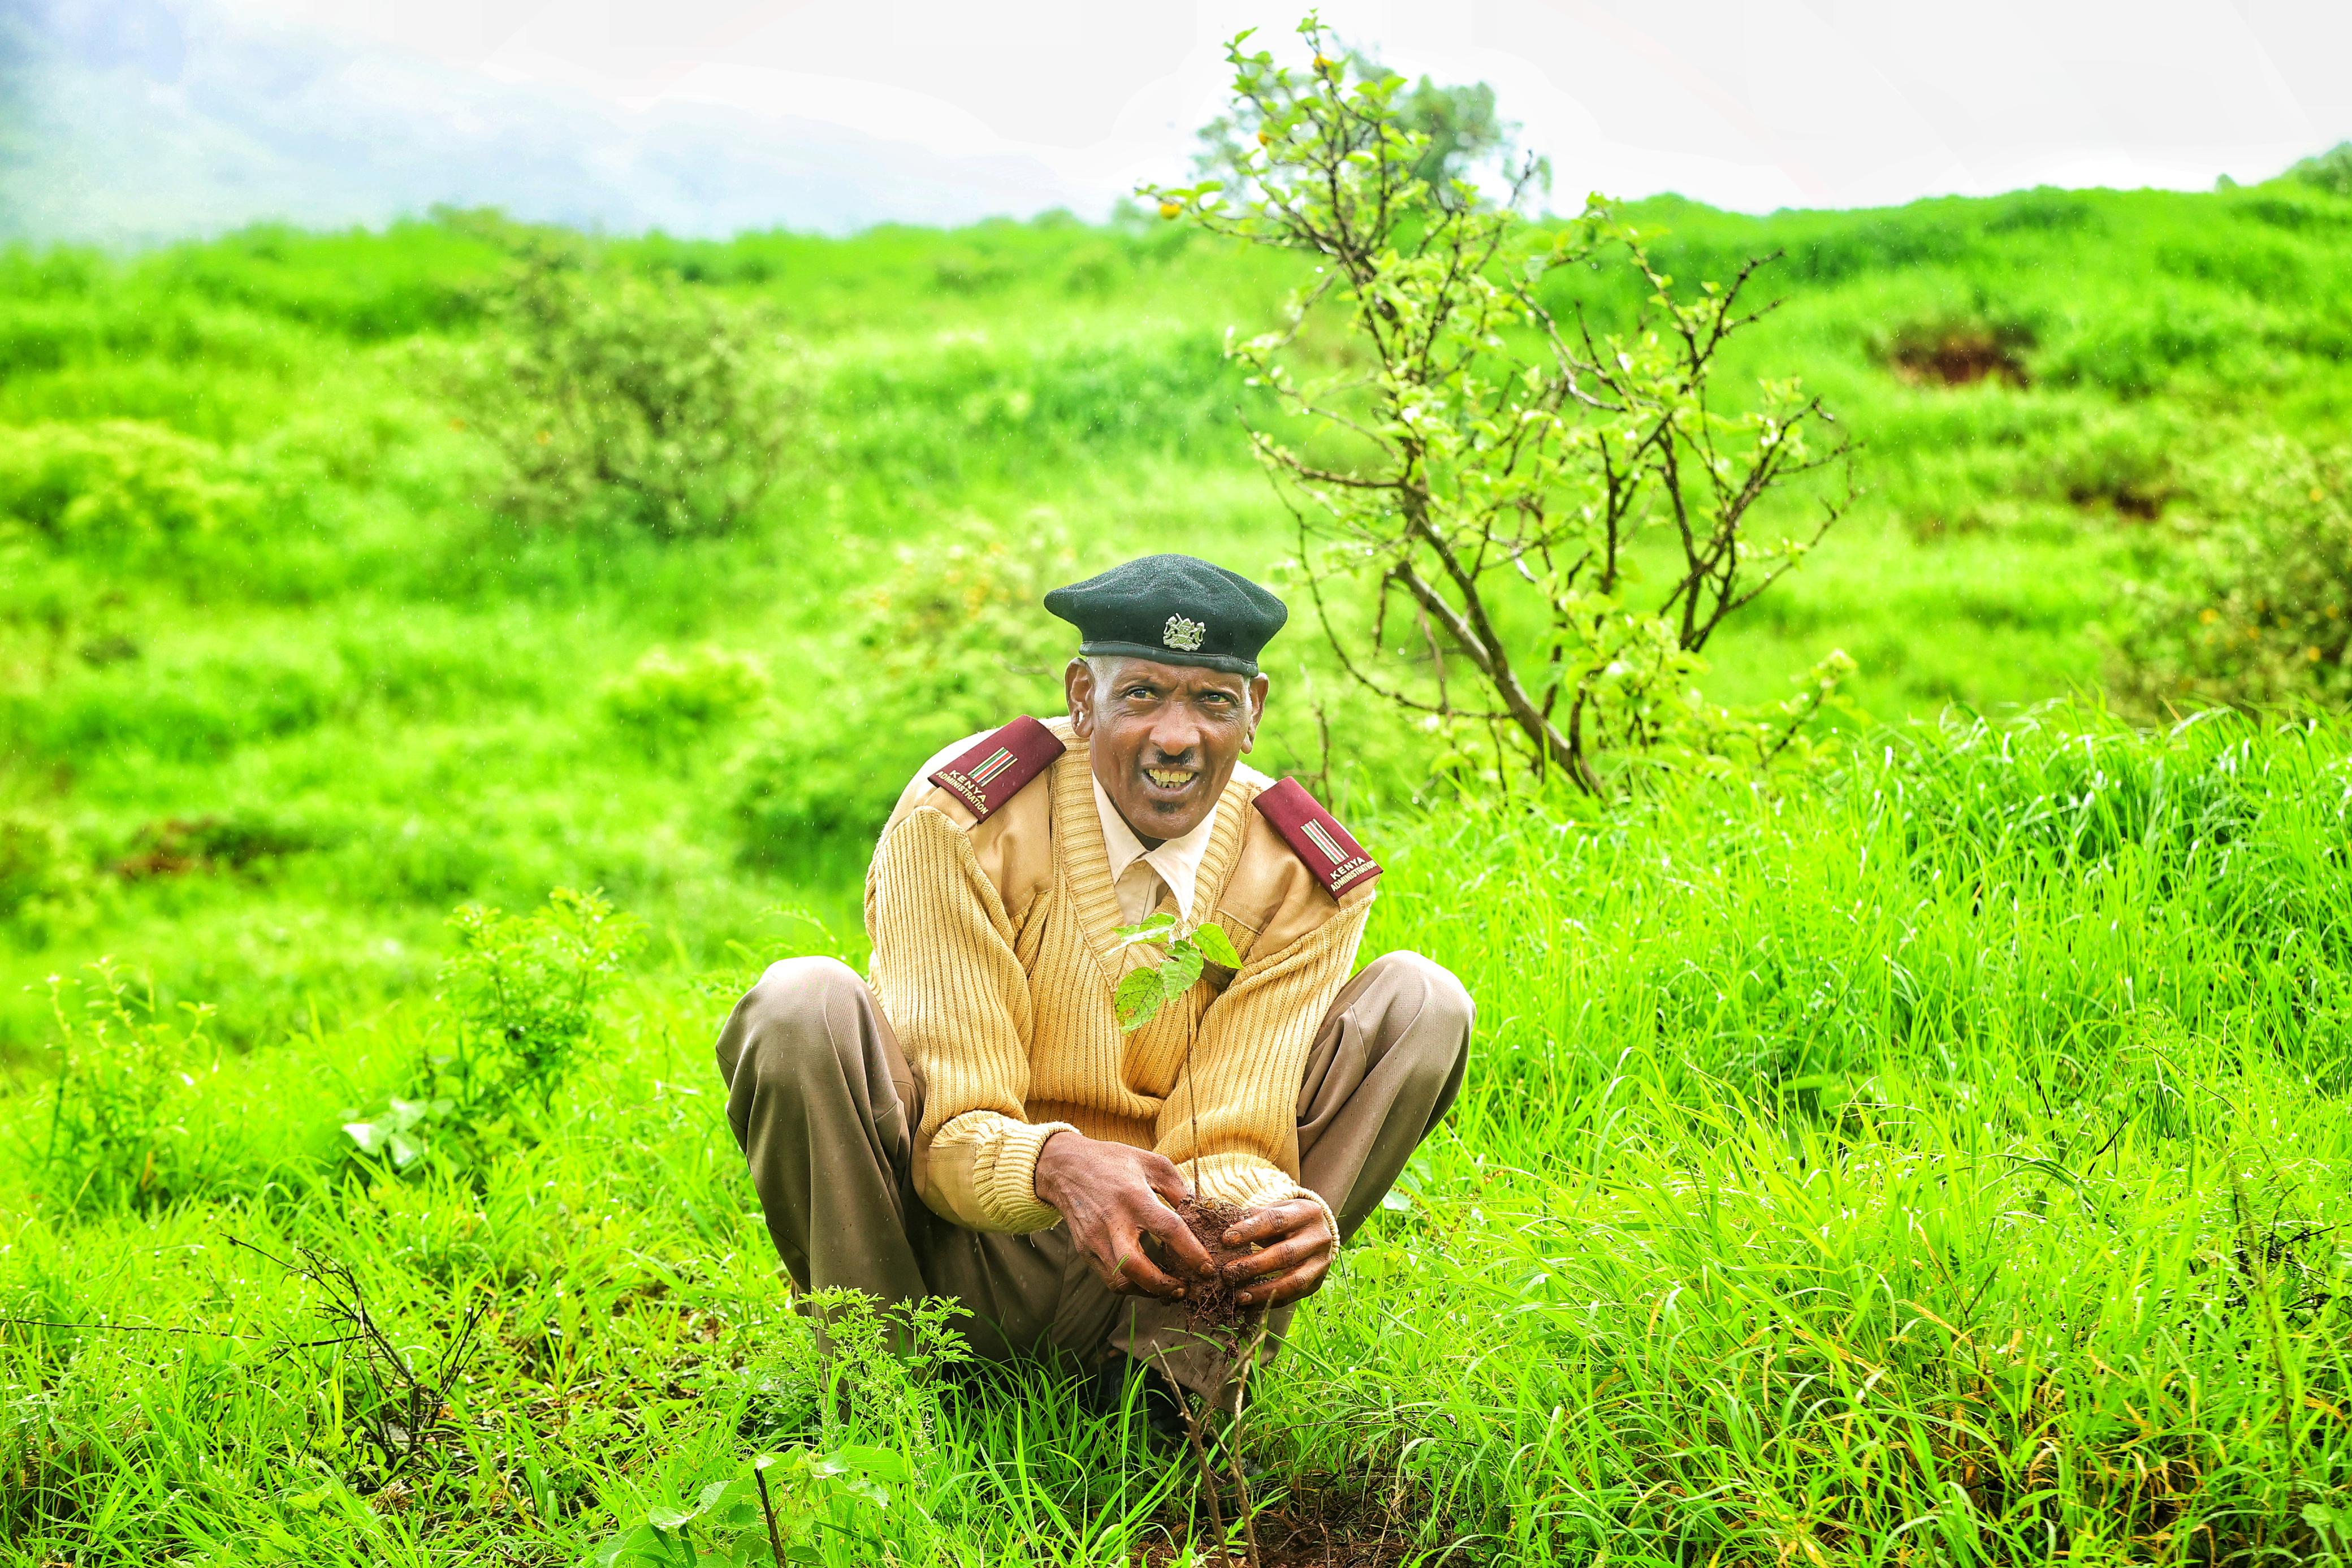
(950, 642)
(2262, 615)
(117, 482)
(609, 399)
(521, 996)
(668, 700)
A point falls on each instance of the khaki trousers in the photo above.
(824, 1106)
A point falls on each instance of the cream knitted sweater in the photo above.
(995, 962)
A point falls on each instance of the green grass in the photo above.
(1950, 1153)
(1937, 1161)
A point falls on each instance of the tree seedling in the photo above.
(1145, 991)
(1138, 998)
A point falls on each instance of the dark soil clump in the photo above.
(1212, 1300)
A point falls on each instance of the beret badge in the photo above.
(1182, 634)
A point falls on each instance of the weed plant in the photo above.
(124, 1126)
(519, 997)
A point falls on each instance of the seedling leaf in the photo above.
(1157, 929)
(1139, 996)
(1184, 968)
(1217, 946)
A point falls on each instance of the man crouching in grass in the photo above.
(972, 1120)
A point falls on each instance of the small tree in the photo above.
(651, 404)
(1463, 133)
(1504, 476)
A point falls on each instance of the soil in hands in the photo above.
(1213, 1304)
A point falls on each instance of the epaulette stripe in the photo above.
(1329, 850)
(993, 771)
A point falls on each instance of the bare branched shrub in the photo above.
(394, 1402)
(1488, 488)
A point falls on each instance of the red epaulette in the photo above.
(1316, 837)
(988, 775)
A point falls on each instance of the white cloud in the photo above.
(1749, 104)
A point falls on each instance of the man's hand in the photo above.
(1111, 1196)
(1296, 1246)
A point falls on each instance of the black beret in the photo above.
(1174, 610)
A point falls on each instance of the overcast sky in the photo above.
(1751, 104)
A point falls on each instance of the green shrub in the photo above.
(39, 872)
(37, 335)
(2261, 613)
(612, 399)
(951, 643)
(668, 700)
(184, 708)
(966, 271)
(118, 481)
(119, 1131)
(2136, 348)
(523, 992)
(521, 995)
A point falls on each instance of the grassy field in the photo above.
(1937, 1160)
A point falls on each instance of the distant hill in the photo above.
(134, 122)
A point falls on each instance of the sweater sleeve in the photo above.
(945, 977)
(1246, 1064)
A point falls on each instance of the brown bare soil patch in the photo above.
(1318, 1525)
(2142, 499)
(181, 846)
(1957, 356)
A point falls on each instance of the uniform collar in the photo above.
(1178, 860)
